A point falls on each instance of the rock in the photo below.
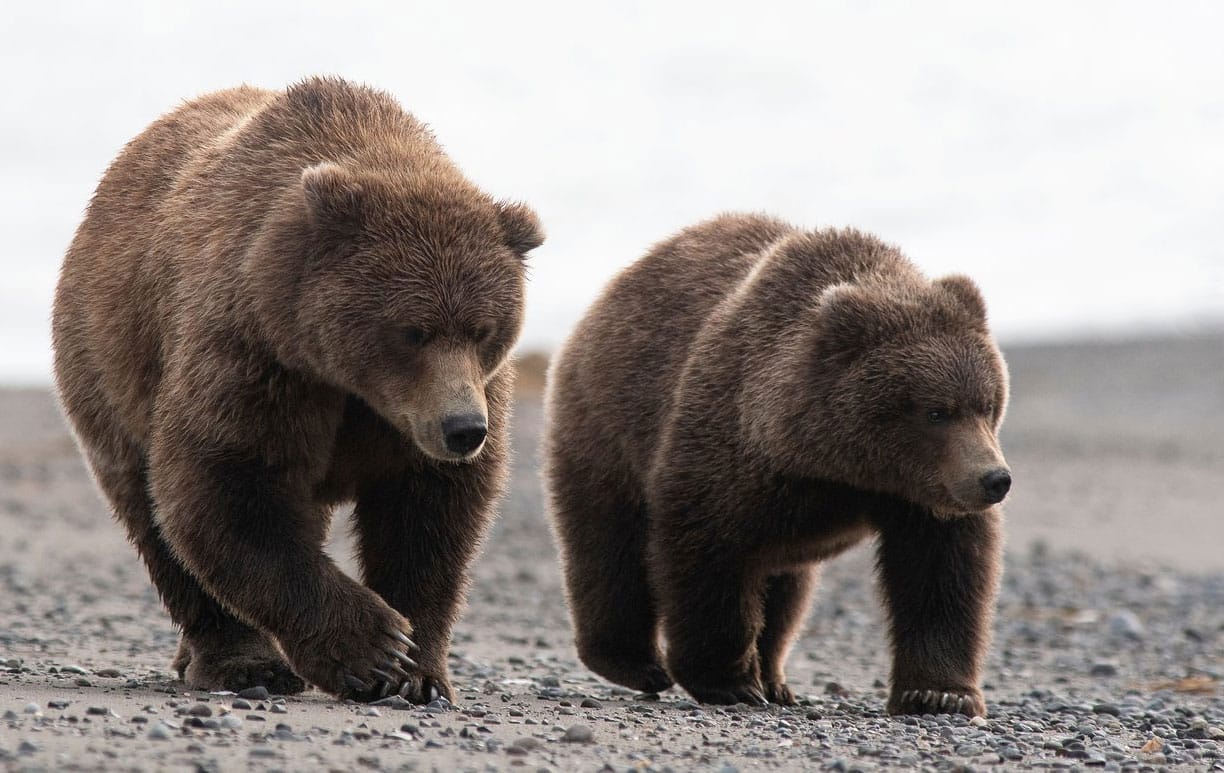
(255, 693)
(526, 744)
(159, 732)
(578, 734)
(97, 711)
(1126, 624)
(31, 708)
(199, 710)
(58, 704)
(1106, 708)
(279, 708)
(978, 721)
(590, 703)
(231, 722)
(108, 673)
(1103, 669)
(393, 702)
(370, 711)
(241, 704)
(27, 747)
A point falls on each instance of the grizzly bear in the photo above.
(746, 401)
(278, 302)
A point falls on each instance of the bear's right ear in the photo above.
(333, 196)
(521, 226)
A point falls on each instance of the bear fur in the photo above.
(278, 302)
(746, 401)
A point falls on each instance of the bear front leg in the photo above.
(249, 534)
(417, 536)
(712, 616)
(940, 579)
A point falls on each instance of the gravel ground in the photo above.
(1105, 655)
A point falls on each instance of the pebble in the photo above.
(393, 702)
(578, 734)
(279, 708)
(1125, 623)
(231, 722)
(31, 708)
(200, 710)
(97, 711)
(590, 703)
(108, 673)
(159, 732)
(259, 693)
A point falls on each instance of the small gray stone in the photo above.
(1125, 623)
(279, 708)
(590, 703)
(27, 747)
(254, 693)
(242, 704)
(1106, 708)
(97, 711)
(527, 743)
(108, 673)
(231, 722)
(159, 732)
(1103, 669)
(370, 711)
(393, 702)
(199, 710)
(578, 734)
(31, 708)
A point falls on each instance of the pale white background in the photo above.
(1070, 156)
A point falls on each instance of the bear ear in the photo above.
(333, 196)
(850, 321)
(521, 226)
(966, 295)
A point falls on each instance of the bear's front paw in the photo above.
(955, 701)
(362, 652)
(727, 694)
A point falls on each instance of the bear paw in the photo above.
(641, 674)
(780, 693)
(970, 703)
(728, 694)
(237, 670)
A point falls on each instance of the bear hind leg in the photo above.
(786, 602)
(615, 619)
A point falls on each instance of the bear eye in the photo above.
(936, 416)
(416, 336)
(990, 409)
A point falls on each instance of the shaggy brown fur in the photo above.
(750, 399)
(279, 301)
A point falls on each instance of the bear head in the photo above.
(407, 291)
(903, 391)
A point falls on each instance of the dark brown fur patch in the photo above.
(748, 400)
(274, 304)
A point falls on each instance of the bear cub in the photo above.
(748, 400)
(279, 301)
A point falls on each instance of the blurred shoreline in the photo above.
(1117, 447)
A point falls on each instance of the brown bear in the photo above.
(279, 301)
(746, 401)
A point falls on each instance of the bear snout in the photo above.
(464, 432)
(996, 484)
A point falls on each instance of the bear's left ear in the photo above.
(966, 295)
(521, 226)
(334, 197)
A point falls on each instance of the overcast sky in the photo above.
(1070, 156)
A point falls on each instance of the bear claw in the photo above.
(937, 702)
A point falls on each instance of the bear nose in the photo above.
(996, 484)
(464, 432)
